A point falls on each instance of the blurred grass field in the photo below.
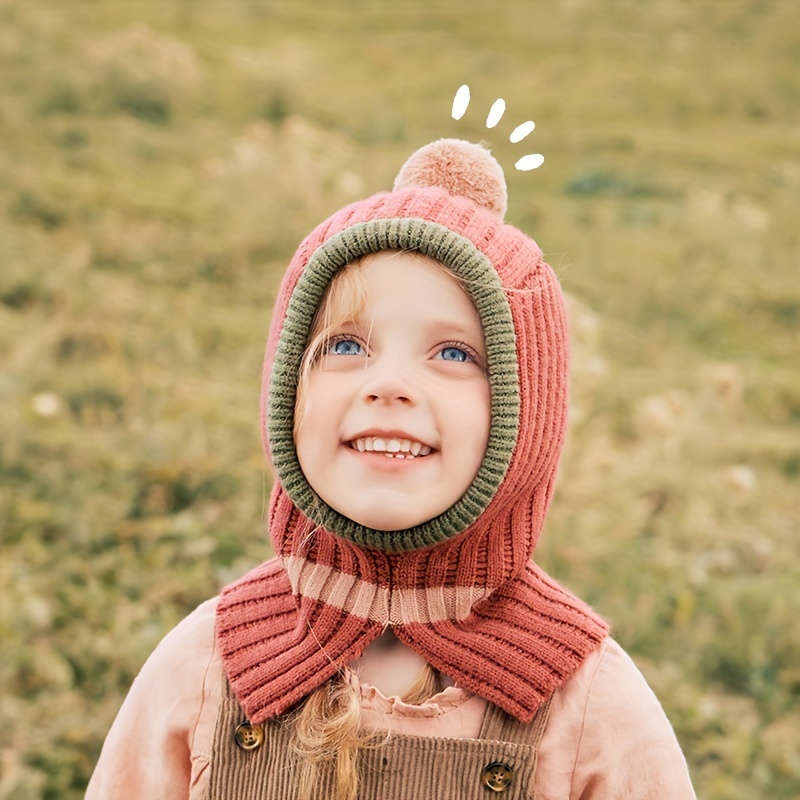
(160, 162)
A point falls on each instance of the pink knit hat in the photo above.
(460, 589)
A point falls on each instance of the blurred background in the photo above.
(161, 161)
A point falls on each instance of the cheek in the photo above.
(300, 429)
(469, 417)
(311, 453)
(301, 445)
(305, 425)
(309, 405)
(481, 407)
(483, 423)
(318, 411)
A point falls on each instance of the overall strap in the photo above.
(502, 727)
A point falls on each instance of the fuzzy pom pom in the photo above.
(461, 168)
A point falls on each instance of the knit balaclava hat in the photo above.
(460, 589)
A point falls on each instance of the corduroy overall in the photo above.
(500, 763)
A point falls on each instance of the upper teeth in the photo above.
(404, 448)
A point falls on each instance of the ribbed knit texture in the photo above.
(460, 589)
(402, 768)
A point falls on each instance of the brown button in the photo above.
(497, 776)
(249, 737)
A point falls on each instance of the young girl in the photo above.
(402, 643)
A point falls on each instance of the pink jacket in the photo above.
(606, 737)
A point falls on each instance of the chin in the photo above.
(387, 526)
(387, 523)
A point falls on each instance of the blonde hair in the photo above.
(328, 734)
(344, 299)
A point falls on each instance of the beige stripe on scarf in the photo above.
(378, 603)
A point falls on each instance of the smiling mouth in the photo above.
(391, 447)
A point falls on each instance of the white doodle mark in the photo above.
(460, 105)
(461, 102)
(496, 112)
(528, 162)
(521, 131)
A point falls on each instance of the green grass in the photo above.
(160, 162)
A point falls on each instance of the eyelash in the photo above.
(342, 337)
(471, 354)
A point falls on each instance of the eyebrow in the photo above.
(456, 328)
(433, 327)
(451, 324)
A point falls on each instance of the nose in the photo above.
(388, 382)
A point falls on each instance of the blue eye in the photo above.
(345, 347)
(454, 354)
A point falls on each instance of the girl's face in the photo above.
(393, 423)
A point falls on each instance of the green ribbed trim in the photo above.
(483, 284)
